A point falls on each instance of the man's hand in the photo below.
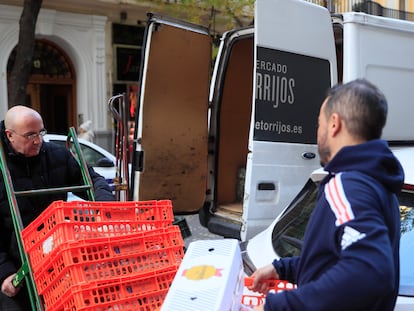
(8, 288)
(258, 308)
(267, 272)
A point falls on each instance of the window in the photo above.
(92, 157)
(288, 233)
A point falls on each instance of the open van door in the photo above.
(295, 64)
(272, 78)
(170, 139)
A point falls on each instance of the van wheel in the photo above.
(204, 215)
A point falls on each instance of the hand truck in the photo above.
(25, 272)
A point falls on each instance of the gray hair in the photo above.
(361, 105)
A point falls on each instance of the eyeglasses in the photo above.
(32, 136)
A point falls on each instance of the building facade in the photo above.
(82, 57)
(79, 42)
(89, 50)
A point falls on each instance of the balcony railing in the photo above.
(369, 7)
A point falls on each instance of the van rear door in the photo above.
(170, 155)
(294, 65)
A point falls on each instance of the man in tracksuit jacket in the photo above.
(350, 254)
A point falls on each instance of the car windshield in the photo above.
(287, 235)
(288, 232)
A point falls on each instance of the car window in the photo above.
(407, 212)
(407, 243)
(288, 232)
(287, 235)
(91, 156)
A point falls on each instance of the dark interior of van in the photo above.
(233, 128)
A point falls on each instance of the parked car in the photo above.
(102, 161)
(284, 236)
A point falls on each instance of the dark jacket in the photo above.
(53, 167)
(350, 254)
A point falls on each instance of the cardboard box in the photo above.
(210, 278)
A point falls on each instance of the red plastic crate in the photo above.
(129, 293)
(64, 222)
(275, 286)
(84, 262)
(134, 242)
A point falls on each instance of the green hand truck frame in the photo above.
(25, 272)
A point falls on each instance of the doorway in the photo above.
(51, 89)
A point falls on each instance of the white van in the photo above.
(238, 144)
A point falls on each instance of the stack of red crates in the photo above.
(104, 255)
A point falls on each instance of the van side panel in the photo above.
(381, 50)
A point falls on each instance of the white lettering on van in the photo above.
(275, 89)
(270, 66)
(278, 127)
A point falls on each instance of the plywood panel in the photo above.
(174, 137)
(235, 120)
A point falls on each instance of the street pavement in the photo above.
(198, 232)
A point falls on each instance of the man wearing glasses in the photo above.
(33, 164)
